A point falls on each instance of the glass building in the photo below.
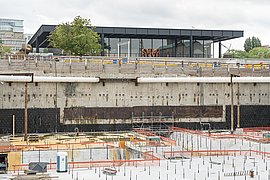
(151, 42)
(11, 33)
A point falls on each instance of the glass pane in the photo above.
(135, 47)
(146, 48)
(207, 48)
(106, 47)
(157, 46)
(198, 49)
(124, 46)
(179, 48)
(186, 48)
(168, 49)
(113, 46)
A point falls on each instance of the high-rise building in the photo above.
(11, 33)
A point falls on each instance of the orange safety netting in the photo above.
(252, 137)
(148, 159)
(54, 146)
(192, 153)
(165, 139)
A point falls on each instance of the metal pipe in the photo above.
(13, 125)
(204, 80)
(5, 78)
(15, 78)
(65, 79)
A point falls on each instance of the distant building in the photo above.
(28, 37)
(150, 42)
(11, 33)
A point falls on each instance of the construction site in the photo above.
(184, 154)
(107, 118)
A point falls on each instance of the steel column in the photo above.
(191, 46)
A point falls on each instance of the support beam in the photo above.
(191, 50)
(37, 45)
(175, 47)
(102, 44)
(219, 50)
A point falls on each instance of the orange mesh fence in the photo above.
(148, 159)
(257, 137)
(196, 153)
(256, 129)
(165, 139)
(54, 146)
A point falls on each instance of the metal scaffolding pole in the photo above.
(238, 106)
(25, 111)
(232, 113)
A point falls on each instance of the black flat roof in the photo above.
(155, 33)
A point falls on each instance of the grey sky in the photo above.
(252, 16)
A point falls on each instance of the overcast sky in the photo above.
(252, 16)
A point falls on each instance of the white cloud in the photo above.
(248, 15)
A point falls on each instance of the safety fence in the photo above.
(54, 146)
(148, 159)
(196, 66)
(200, 153)
(243, 134)
(167, 141)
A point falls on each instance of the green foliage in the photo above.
(45, 50)
(76, 38)
(259, 52)
(4, 49)
(235, 54)
(251, 43)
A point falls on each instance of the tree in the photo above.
(4, 49)
(1, 47)
(235, 54)
(251, 43)
(76, 37)
(259, 52)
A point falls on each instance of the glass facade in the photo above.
(11, 33)
(135, 48)
(13, 25)
(207, 48)
(157, 47)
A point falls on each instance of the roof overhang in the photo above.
(147, 33)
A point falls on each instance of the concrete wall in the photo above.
(54, 105)
(127, 94)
